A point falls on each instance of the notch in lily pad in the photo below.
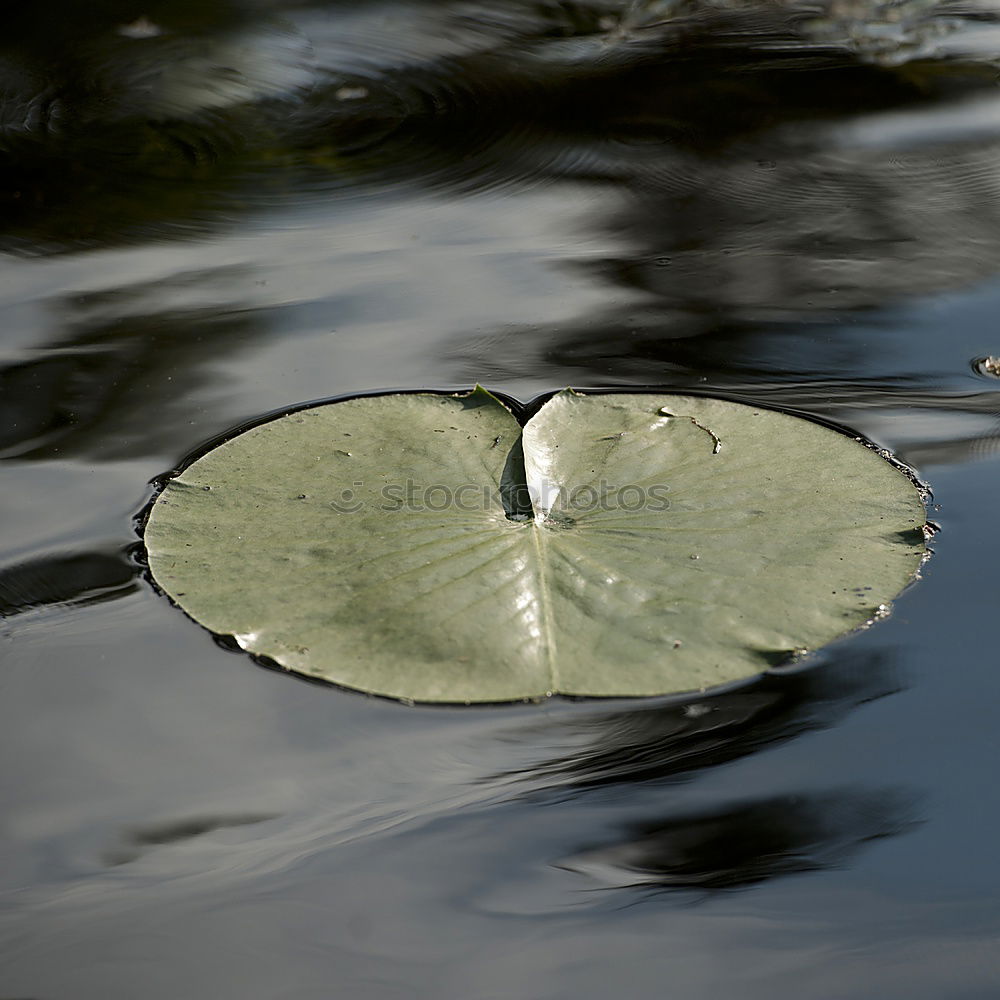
(430, 548)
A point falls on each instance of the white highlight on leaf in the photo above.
(544, 493)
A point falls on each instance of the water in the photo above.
(213, 211)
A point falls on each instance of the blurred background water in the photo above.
(209, 211)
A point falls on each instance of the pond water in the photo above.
(215, 210)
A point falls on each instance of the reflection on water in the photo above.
(731, 843)
(212, 210)
(119, 359)
(63, 579)
(748, 843)
(743, 190)
(677, 740)
(142, 839)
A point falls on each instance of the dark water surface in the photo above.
(214, 210)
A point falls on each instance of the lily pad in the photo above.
(427, 547)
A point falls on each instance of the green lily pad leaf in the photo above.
(427, 547)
